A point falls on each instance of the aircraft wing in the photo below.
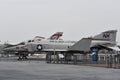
(82, 45)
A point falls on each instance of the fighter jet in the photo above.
(55, 44)
(105, 39)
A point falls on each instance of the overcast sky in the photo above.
(21, 20)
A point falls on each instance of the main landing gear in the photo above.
(22, 57)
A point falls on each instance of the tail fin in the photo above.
(56, 36)
(107, 36)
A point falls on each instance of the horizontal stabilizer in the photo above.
(115, 48)
(82, 45)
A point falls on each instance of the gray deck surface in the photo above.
(39, 70)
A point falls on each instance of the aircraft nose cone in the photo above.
(9, 49)
(6, 49)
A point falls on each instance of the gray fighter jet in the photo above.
(55, 44)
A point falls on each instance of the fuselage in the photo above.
(60, 45)
(51, 45)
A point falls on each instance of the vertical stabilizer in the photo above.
(107, 36)
(56, 36)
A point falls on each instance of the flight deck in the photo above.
(11, 69)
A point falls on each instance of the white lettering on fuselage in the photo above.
(63, 41)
